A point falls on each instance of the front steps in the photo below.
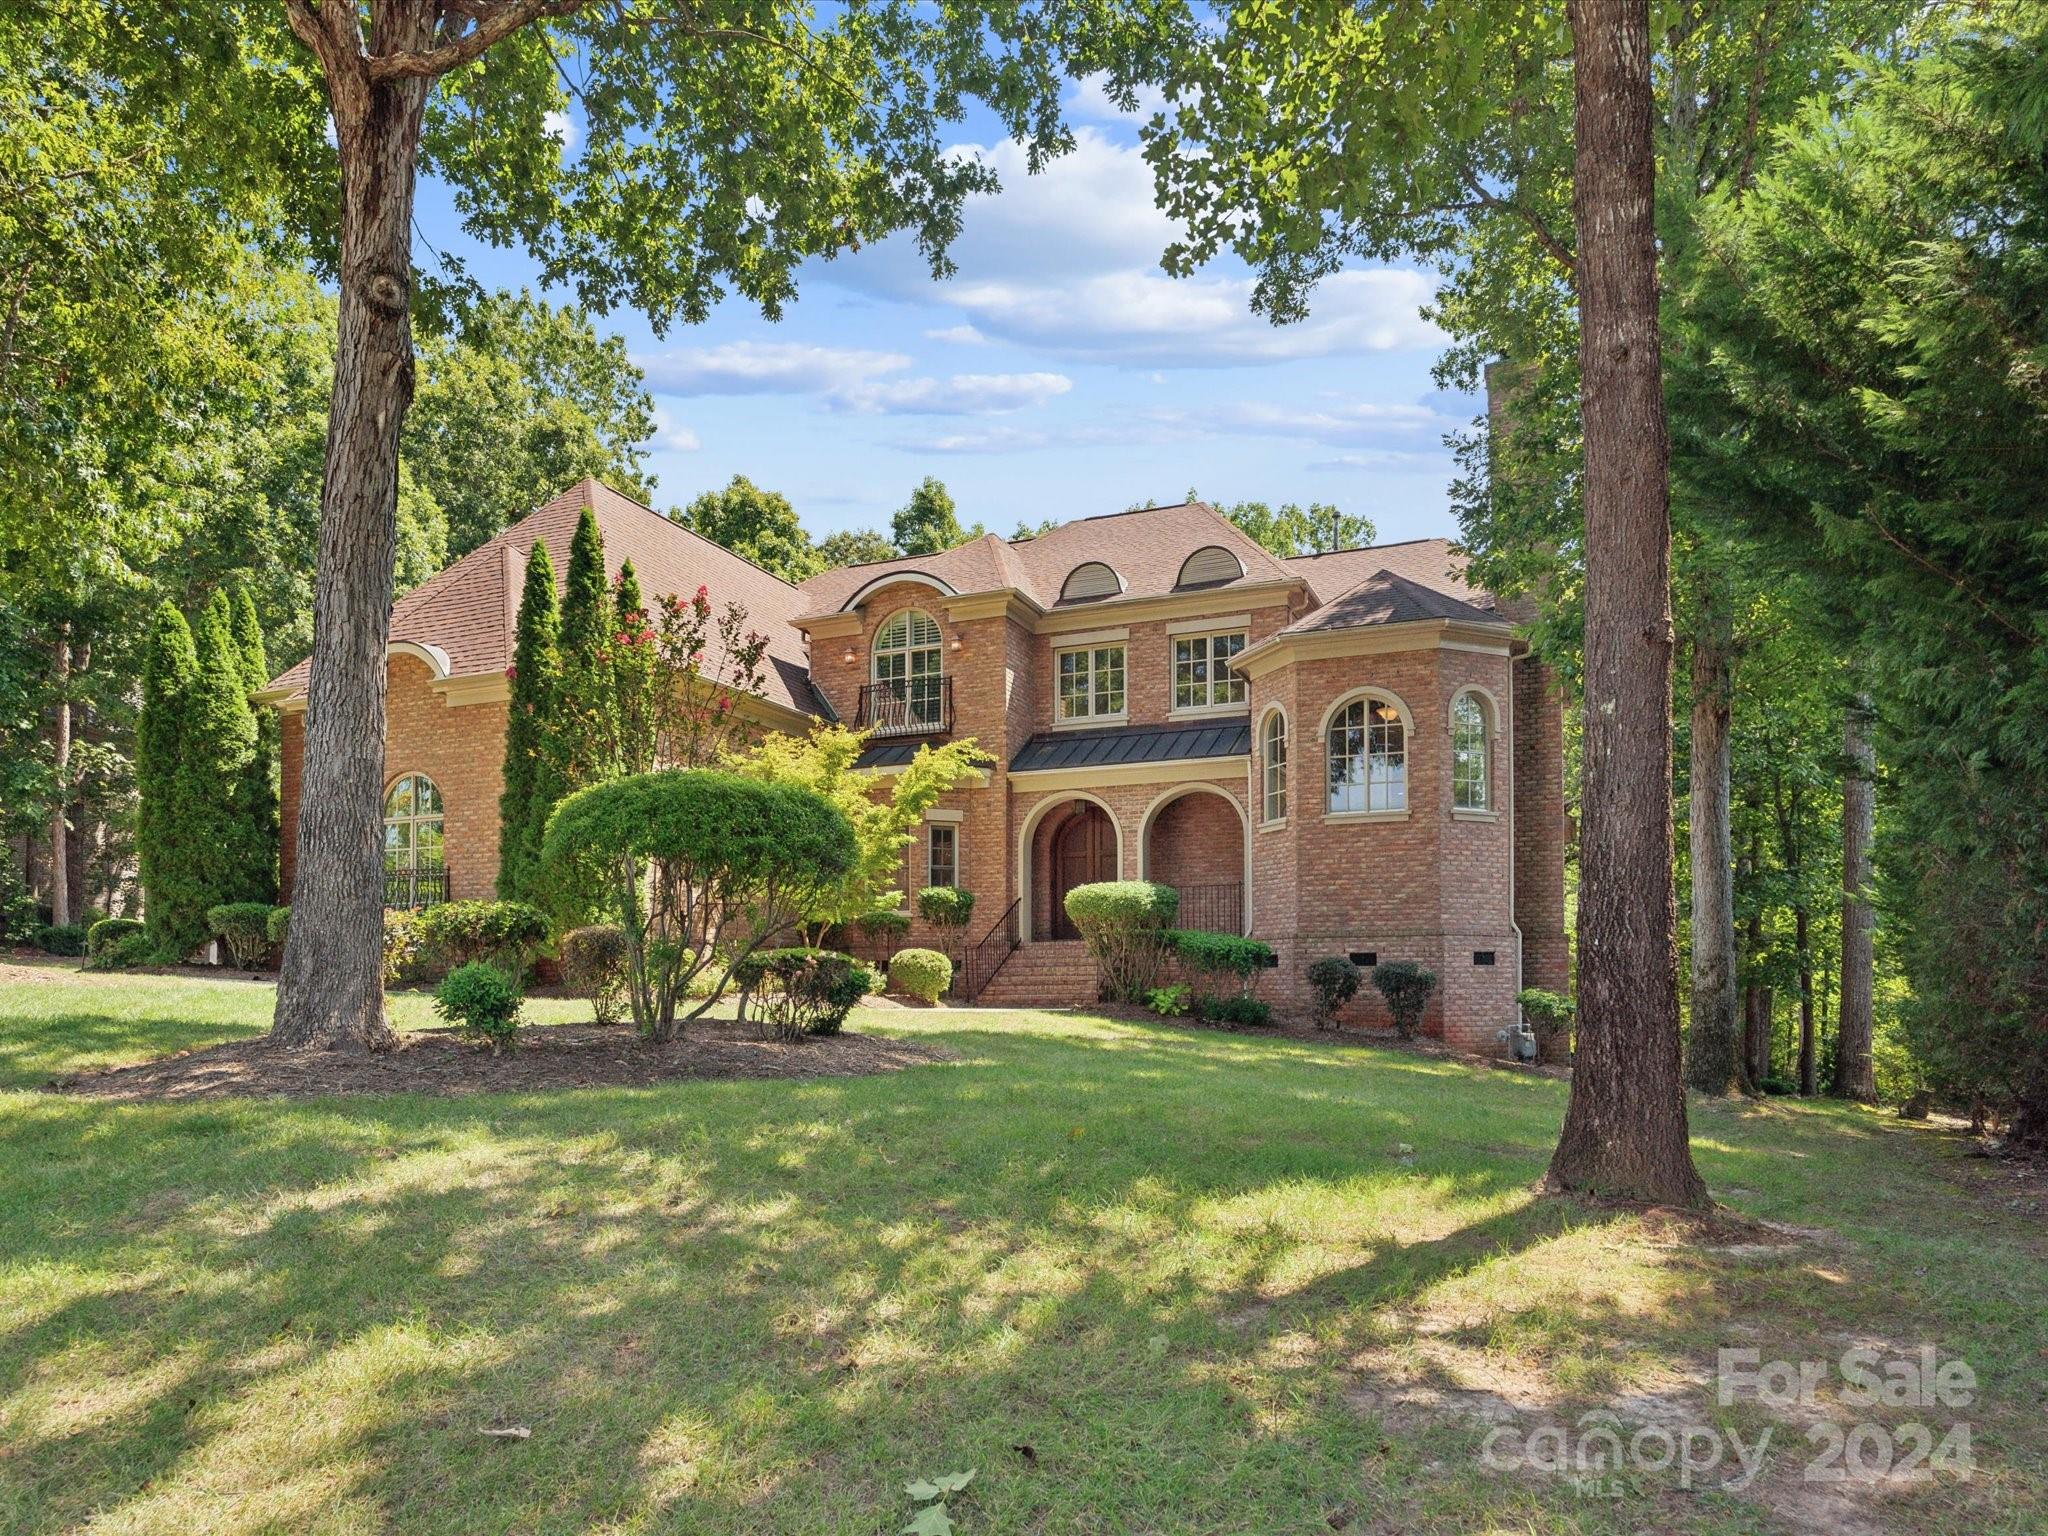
(1051, 974)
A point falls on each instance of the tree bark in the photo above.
(1802, 941)
(1713, 1058)
(330, 987)
(1855, 1075)
(60, 756)
(1624, 1131)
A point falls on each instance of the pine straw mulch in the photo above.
(549, 1058)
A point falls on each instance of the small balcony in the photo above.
(424, 885)
(922, 706)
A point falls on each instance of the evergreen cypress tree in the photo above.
(173, 901)
(583, 732)
(632, 675)
(260, 785)
(215, 759)
(532, 781)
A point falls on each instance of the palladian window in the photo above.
(415, 871)
(1471, 755)
(909, 683)
(1368, 758)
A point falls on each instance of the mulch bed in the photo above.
(549, 1058)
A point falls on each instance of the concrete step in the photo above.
(1048, 974)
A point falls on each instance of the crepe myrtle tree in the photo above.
(724, 145)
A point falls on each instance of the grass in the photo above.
(1185, 1270)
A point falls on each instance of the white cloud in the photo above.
(844, 378)
(1334, 424)
(1089, 98)
(672, 434)
(958, 335)
(561, 127)
(964, 394)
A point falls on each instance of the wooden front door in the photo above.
(1083, 852)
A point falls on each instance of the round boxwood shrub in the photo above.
(945, 906)
(505, 933)
(594, 966)
(802, 991)
(482, 1002)
(123, 951)
(244, 927)
(108, 930)
(1235, 1009)
(920, 973)
(1406, 987)
(1332, 982)
(1124, 924)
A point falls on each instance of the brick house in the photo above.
(1347, 753)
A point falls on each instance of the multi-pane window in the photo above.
(415, 872)
(1091, 683)
(942, 854)
(1274, 767)
(909, 683)
(1368, 758)
(1470, 757)
(1202, 676)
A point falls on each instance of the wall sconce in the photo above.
(955, 645)
(849, 656)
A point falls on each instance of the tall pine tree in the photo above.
(173, 898)
(532, 779)
(260, 784)
(583, 734)
(216, 760)
(632, 674)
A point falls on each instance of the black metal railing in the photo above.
(1212, 908)
(923, 706)
(987, 957)
(426, 886)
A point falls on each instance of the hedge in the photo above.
(107, 930)
(503, 933)
(920, 973)
(802, 991)
(244, 927)
(67, 939)
(594, 966)
(1211, 958)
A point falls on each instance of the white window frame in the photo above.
(412, 821)
(924, 691)
(1471, 793)
(931, 846)
(1092, 690)
(1380, 794)
(1206, 701)
(1273, 769)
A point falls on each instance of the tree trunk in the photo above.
(1624, 1130)
(1757, 1008)
(1713, 1060)
(330, 987)
(1809, 1078)
(1855, 1076)
(60, 756)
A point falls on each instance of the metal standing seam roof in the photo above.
(1229, 737)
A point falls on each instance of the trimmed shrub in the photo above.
(694, 863)
(947, 908)
(883, 925)
(802, 991)
(482, 1001)
(1550, 1019)
(1332, 982)
(1168, 1002)
(1237, 1009)
(1124, 923)
(278, 927)
(594, 966)
(920, 973)
(244, 927)
(1406, 986)
(1219, 964)
(109, 930)
(67, 939)
(403, 952)
(502, 933)
(123, 951)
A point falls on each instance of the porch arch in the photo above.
(1179, 792)
(1027, 885)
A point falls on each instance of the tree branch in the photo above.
(490, 24)
(1537, 227)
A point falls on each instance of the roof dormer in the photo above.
(1209, 566)
(1090, 580)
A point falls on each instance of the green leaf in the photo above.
(953, 1482)
(932, 1520)
(922, 1490)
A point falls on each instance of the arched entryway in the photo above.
(1083, 852)
(1194, 839)
(1069, 841)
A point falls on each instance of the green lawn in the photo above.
(1190, 1272)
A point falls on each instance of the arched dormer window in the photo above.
(1209, 566)
(1273, 768)
(1471, 753)
(1090, 580)
(1366, 749)
(909, 689)
(415, 866)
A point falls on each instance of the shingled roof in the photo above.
(1145, 547)
(470, 610)
(1385, 598)
(1428, 562)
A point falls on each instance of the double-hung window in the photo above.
(1202, 675)
(1367, 758)
(1091, 683)
(942, 854)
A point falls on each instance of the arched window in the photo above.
(1368, 758)
(909, 687)
(1274, 767)
(415, 870)
(1471, 754)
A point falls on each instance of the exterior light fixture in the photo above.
(849, 657)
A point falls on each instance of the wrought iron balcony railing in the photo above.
(426, 886)
(922, 706)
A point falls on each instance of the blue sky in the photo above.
(1059, 374)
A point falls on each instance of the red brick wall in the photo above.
(1540, 827)
(1197, 839)
(1148, 661)
(462, 749)
(1128, 805)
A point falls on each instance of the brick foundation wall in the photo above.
(1541, 830)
